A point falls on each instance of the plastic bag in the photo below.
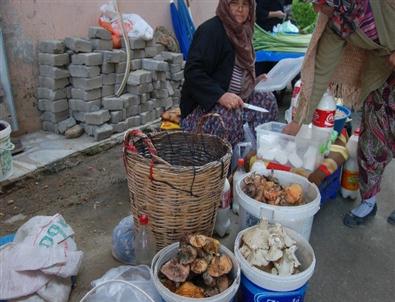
(135, 26)
(138, 276)
(286, 27)
(123, 241)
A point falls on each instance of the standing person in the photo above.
(220, 74)
(354, 47)
(269, 13)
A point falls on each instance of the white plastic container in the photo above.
(268, 281)
(169, 252)
(299, 218)
(350, 175)
(236, 176)
(6, 165)
(280, 75)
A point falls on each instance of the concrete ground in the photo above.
(90, 190)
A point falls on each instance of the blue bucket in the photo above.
(341, 121)
(250, 292)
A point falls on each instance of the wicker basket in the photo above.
(176, 178)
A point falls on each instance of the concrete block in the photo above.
(177, 93)
(84, 106)
(176, 101)
(159, 76)
(86, 95)
(109, 79)
(139, 77)
(178, 76)
(136, 43)
(117, 116)
(131, 99)
(50, 127)
(107, 90)
(54, 117)
(140, 89)
(159, 57)
(49, 94)
(102, 132)
(172, 57)
(97, 117)
(135, 64)
(158, 112)
(66, 124)
(160, 93)
(133, 110)
(152, 51)
(138, 54)
(168, 75)
(148, 106)
(144, 97)
(175, 68)
(156, 85)
(53, 72)
(146, 117)
(113, 56)
(98, 44)
(166, 103)
(78, 44)
(119, 78)
(68, 91)
(150, 43)
(151, 64)
(120, 67)
(97, 32)
(87, 83)
(134, 121)
(79, 116)
(53, 59)
(169, 88)
(120, 127)
(89, 59)
(108, 68)
(82, 71)
(114, 103)
(51, 46)
(53, 106)
(52, 83)
(89, 129)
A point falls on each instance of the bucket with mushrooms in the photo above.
(279, 196)
(273, 258)
(196, 267)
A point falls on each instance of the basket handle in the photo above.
(204, 118)
(131, 137)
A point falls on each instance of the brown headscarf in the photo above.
(241, 38)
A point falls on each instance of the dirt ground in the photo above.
(90, 192)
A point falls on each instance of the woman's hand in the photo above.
(292, 128)
(392, 60)
(230, 101)
(277, 14)
(261, 77)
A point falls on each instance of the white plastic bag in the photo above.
(123, 241)
(138, 276)
(135, 26)
(285, 27)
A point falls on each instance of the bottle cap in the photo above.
(357, 131)
(240, 162)
(143, 219)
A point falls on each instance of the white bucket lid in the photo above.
(272, 282)
(5, 132)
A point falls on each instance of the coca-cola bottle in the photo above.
(324, 115)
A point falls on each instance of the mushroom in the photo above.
(188, 289)
(208, 280)
(212, 291)
(294, 194)
(223, 283)
(212, 246)
(274, 254)
(198, 240)
(187, 254)
(220, 265)
(199, 266)
(175, 271)
(286, 265)
(258, 258)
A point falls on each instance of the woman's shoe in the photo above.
(391, 218)
(351, 220)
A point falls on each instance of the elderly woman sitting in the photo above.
(220, 74)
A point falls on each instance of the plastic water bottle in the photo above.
(222, 222)
(324, 115)
(236, 177)
(350, 176)
(145, 244)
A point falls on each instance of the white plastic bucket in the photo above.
(299, 218)
(6, 166)
(271, 282)
(169, 252)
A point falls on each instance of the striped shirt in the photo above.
(236, 80)
(368, 25)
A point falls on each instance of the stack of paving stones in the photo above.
(96, 72)
(52, 82)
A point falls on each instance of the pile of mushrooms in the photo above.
(198, 270)
(269, 248)
(268, 190)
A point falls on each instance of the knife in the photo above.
(253, 107)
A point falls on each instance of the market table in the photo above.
(275, 56)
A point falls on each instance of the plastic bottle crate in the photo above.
(330, 186)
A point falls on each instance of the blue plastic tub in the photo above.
(250, 292)
(330, 186)
(7, 239)
(340, 122)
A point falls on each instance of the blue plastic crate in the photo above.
(330, 186)
(250, 292)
